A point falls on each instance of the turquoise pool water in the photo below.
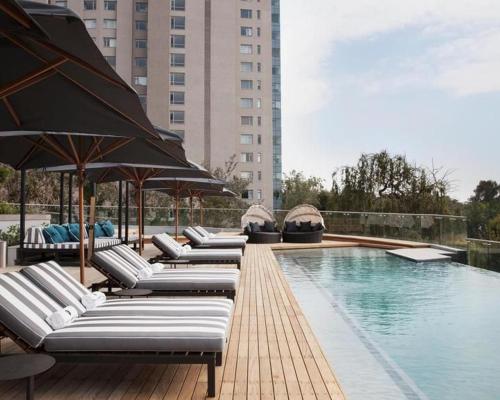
(432, 329)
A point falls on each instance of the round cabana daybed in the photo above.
(303, 224)
(260, 226)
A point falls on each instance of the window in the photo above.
(141, 43)
(61, 3)
(89, 4)
(259, 175)
(141, 80)
(177, 22)
(246, 157)
(246, 138)
(259, 67)
(141, 7)
(109, 42)
(247, 175)
(259, 84)
(258, 32)
(246, 31)
(110, 23)
(141, 25)
(258, 103)
(245, 13)
(247, 84)
(259, 139)
(177, 41)
(259, 121)
(258, 49)
(111, 60)
(110, 5)
(178, 5)
(177, 79)
(246, 120)
(90, 23)
(246, 49)
(141, 62)
(247, 195)
(259, 194)
(258, 14)
(246, 67)
(176, 117)
(246, 102)
(177, 60)
(259, 157)
(176, 97)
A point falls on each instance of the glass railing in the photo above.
(484, 253)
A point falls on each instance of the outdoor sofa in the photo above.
(25, 317)
(200, 242)
(172, 250)
(127, 273)
(208, 235)
(39, 244)
(303, 224)
(260, 225)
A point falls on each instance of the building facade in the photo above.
(206, 69)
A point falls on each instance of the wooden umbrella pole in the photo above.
(177, 215)
(191, 213)
(81, 178)
(201, 210)
(139, 214)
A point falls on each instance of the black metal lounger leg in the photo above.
(211, 376)
(218, 359)
(239, 264)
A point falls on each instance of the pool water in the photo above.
(395, 329)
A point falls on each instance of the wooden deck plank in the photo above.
(272, 354)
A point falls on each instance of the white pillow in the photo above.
(211, 235)
(145, 273)
(157, 267)
(62, 318)
(93, 300)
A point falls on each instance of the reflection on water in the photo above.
(438, 321)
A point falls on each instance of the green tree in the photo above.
(483, 211)
(299, 189)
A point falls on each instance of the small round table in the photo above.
(25, 366)
(174, 263)
(133, 293)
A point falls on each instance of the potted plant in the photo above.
(11, 236)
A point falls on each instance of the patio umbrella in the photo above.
(177, 187)
(61, 102)
(138, 174)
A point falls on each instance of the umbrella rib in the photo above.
(93, 148)
(57, 147)
(14, 15)
(12, 112)
(166, 152)
(112, 147)
(26, 157)
(30, 79)
(46, 148)
(73, 148)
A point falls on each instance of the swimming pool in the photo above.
(394, 329)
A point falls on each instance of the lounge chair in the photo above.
(260, 225)
(61, 286)
(24, 318)
(303, 224)
(171, 250)
(199, 242)
(170, 282)
(206, 234)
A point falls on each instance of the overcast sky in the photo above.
(417, 77)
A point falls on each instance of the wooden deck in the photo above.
(272, 354)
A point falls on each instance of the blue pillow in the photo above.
(98, 231)
(108, 228)
(63, 231)
(51, 235)
(74, 232)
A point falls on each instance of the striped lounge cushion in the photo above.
(24, 308)
(99, 243)
(192, 279)
(212, 255)
(167, 245)
(194, 236)
(110, 262)
(131, 256)
(182, 334)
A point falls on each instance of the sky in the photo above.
(414, 77)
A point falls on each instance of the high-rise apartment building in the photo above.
(207, 69)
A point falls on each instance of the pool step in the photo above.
(427, 254)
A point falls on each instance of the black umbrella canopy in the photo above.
(53, 78)
(178, 185)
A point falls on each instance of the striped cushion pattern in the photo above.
(131, 256)
(22, 311)
(192, 279)
(34, 235)
(167, 245)
(52, 278)
(212, 255)
(110, 262)
(164, 307)
(99, 243)
(140, 334)
(194, 236)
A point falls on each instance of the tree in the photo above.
(299, 189)
(483, 211)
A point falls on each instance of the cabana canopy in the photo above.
(304, 213)
(257, 213)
